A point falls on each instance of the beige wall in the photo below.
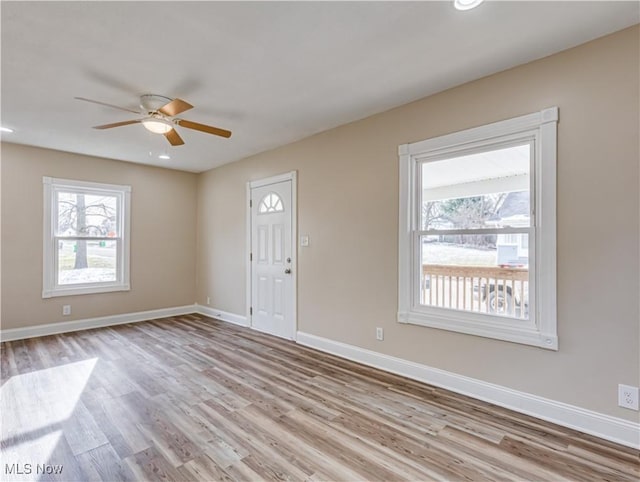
(163, 213)
(348, 204)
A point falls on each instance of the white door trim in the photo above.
(287, 176)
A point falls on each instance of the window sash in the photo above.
(540, 130)
(446, 232)
(87, 238)
(57, 190)
(56, 262)
(488, 145)
(416, 278)
(52, 189)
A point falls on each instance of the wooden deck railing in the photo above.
(453, 287)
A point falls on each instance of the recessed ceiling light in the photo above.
(466, 4)
(5, 129)
(164, 156)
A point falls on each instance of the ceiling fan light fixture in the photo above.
(159, 118)
(157, 125)
(466, 4)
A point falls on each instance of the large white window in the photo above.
(477, 249)
(86, 237)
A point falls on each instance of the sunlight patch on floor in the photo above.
(33, 408)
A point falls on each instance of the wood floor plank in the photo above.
(189, 398)
(255, 440)
(126, 423)
(615, 460)
(307, 453)
(204, 468)
(93, 400)
(149, 464)
(347, 451)
(494, 455)
(8, 366)
(564, 463)
(105, 464)
(81, 430)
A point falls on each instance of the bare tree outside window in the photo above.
(82, 216)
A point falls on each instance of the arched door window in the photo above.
(270, 203)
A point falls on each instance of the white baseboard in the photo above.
(604, 426)
(222, 315)
(102, 321)
(12, 334)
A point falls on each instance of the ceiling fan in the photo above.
(159, 117)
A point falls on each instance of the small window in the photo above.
(86, 238)
(477, 231)
(270, 203)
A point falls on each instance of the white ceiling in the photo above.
(271, 72)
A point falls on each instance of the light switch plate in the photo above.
(304, 240)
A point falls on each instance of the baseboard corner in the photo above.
(222, 315)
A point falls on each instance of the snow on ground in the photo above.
(457, 255)
(86, 275)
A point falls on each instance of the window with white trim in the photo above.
(477, 248)
(86, 237)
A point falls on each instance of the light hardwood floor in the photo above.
(191, 398)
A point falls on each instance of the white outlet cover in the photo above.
(628, 397)
(66, 309)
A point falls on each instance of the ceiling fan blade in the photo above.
(204, 128)
(108, 105)
(117, 124)
(174, 138)
(175, 107)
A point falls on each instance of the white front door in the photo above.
(272, 287)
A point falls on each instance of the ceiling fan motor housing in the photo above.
(152, 102)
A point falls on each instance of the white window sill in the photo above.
(526, 334)
(87, 290)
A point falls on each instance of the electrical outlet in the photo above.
(66, 310)
(208, 300)
(628, 396)
(379, 334)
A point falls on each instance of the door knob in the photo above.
(287, 271)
